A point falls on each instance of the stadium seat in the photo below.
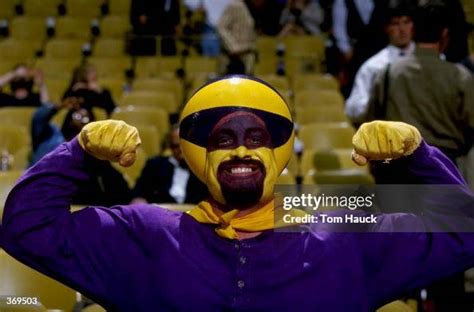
(41, 8)
(200, 65)
(17, 116)
(7, 65)
(326, 136)
(267, 46)
(7, 8)
(28, 28)
(20, 280)
(159, 84)
(17, 142)
(266, 66)
(57, 68)
(114, 85)
(139, 117)
(114, 26)
(304, 46)
(321, 98)
(119, 7)
(160, 99)
(345, 176)
(7, 181)
(176, 207)
(278, 82)
(319, 114)
(18, 50)
(147, 67)
(64, 48)
(111, 67)
(109, 47)
(297, 65)
(314, 81)
(132, 173)
(73, 27)
(334, 159)
(56, 88)
(84, 8)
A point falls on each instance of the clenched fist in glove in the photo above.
(384, 140)
(111, 140)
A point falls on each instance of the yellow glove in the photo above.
(111, 140)
(384, 140)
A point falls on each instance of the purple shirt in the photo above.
(142, 258)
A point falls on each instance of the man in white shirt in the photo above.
(399, 29)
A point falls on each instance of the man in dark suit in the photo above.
(168, 179)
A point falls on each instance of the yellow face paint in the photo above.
(263, 155)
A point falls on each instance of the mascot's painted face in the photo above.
(240, 165)
(237, 136)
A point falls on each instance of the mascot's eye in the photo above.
(224, 141)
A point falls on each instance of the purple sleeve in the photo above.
(406, 251)
(82, 249)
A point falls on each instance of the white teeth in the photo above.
(241, 170)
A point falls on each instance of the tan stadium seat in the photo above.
(334, 159)
(266, 66)
(304, 46)
(7, 8)
(64, 48)
(17, 142)
(111, 67)
(200, 65)
(326, 136)
(266, 46)
(321, 98)
(147, 67)
(84, 8)
(56, 89)
(132, 173)
(119, 7)
(20, 280)
(57, 68)
(344, 176)
(114, 85)
(17, 116)
(160, 99)
(140, 117)
(29, 28)
(109, 47)
(297, 65)
(114, 26)
(73, 27)
(319, 114)
(7, 181)
(41, 8)
(18, 50)
(315, 81)
(160, 84)
(278, 82)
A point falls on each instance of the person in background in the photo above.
(301, 17)
(213, 10)
(457, 49)
(236, 29)
(266, 14)
(358, 34)
(151, 18)
(22, 79)
(106, 186)
(168, 179)
(85, 88)
(399, 29)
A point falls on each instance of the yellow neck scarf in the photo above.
(259, 220)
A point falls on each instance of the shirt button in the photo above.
(241, 284)
(243, 260)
